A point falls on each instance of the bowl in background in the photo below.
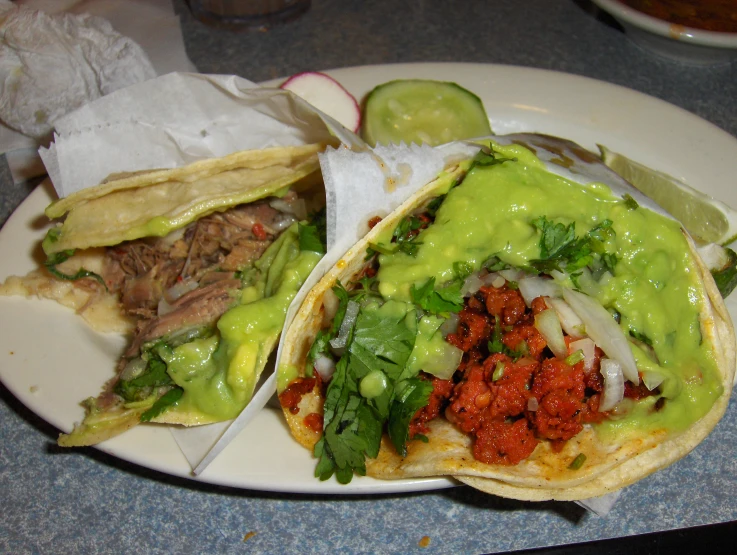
(671, 40)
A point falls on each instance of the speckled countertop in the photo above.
(84, 501)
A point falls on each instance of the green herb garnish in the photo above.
(162, 403)
(577, 462)
(53, 260)
(562, 250)
(309, 238)
(440, 301)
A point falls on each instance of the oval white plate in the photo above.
(670, 40)
(51, 361)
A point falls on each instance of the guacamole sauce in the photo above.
(218, 374)
(654, 286)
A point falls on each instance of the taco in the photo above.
(527, 323)
(199, 263)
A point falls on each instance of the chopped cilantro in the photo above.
(462, 270)
(434, 205)
(641, 337)
(577, 462)
(53, 260)
(726, 277)
(440, 301)
(382, 340)
(309, 238)
(495, 264)
(415, 393)
(366, 287)
(489, 158)
(162, 403)
(630, 203)
(562, 250)
(496, 345)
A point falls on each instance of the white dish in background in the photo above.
(50, 360)
(671, 40)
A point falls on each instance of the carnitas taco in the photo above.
(199, 263)
(527, 323)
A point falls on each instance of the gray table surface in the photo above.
(83, 501)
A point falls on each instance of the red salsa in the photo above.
(710, 15)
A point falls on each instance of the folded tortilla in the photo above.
(199, 263)
(602, 457)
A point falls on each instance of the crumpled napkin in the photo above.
(52, 64)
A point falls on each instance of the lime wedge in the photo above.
(705, 218)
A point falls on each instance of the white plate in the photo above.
(50, 360)
(670, 40)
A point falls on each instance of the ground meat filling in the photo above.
(512, 396)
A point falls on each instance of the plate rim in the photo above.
(360, 485)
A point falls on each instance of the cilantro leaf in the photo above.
(444, 300)
(726, 277)
(381, 341)
(562, 250)
(489, 158)
(641, 337)
(162, 403)
(53, 260)
(434, 205)
(309, 238)
(366, 287)
(415, 393)
(351, 431)
(555, 239)
(496, 344)
(405, 230)
(630, 203)
(495, 264)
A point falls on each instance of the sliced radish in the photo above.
(327, 95)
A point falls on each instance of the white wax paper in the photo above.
(174, 120)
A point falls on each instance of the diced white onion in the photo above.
(652, 379)
(571, 323)
(558, 275)
(548, 325)
(163, 308)
(497, 281)
(511, 274)
(471, 284)
(532, 287)
(351, 313)
(532, 404)
(177, 290)
(325, 366)
(133, 369)
(606, 333)
(714, 256)
(588, 348)
(280, 224)
(298, 207)
(613, 392)
(450, 325)
(180, 288)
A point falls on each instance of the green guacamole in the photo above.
(219, 373)
(654, 286)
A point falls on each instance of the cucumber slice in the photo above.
(422, 111)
